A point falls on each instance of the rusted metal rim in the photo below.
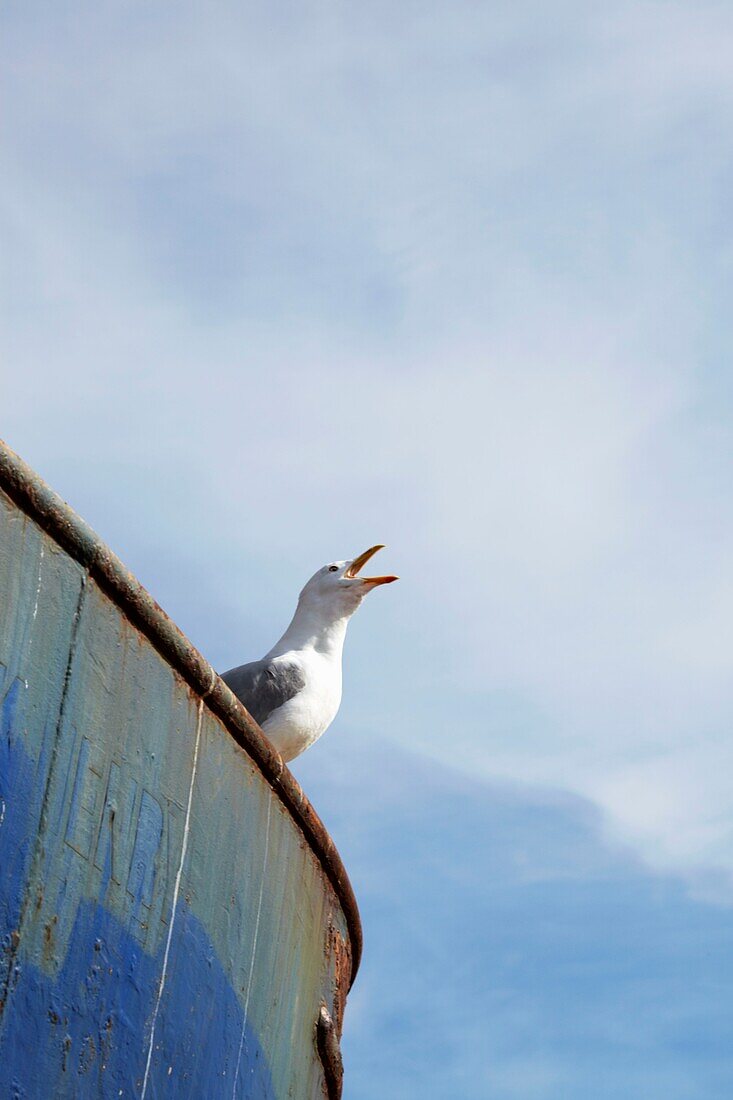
(54, 515)
(329, 1052)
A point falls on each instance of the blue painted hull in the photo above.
(173, 922)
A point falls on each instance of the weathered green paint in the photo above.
(173, 918)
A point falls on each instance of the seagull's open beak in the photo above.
(358, 563)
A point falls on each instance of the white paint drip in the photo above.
(254, 945)
(179, 873)
(2, 810)
(38, 589)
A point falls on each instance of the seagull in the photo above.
(294, 692)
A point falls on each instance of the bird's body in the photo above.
(294, 692)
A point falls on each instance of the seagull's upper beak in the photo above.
(358, 563)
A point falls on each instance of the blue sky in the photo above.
(285, 281)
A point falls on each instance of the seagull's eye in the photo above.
(333, 569)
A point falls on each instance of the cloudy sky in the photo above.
(282, 281)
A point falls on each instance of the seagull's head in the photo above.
(338, 588)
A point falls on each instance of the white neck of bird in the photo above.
(311, 629)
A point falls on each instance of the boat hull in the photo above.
(170, 925)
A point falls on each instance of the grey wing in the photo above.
(263, 686)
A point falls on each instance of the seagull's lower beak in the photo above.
(372, 582)
(358, 563)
